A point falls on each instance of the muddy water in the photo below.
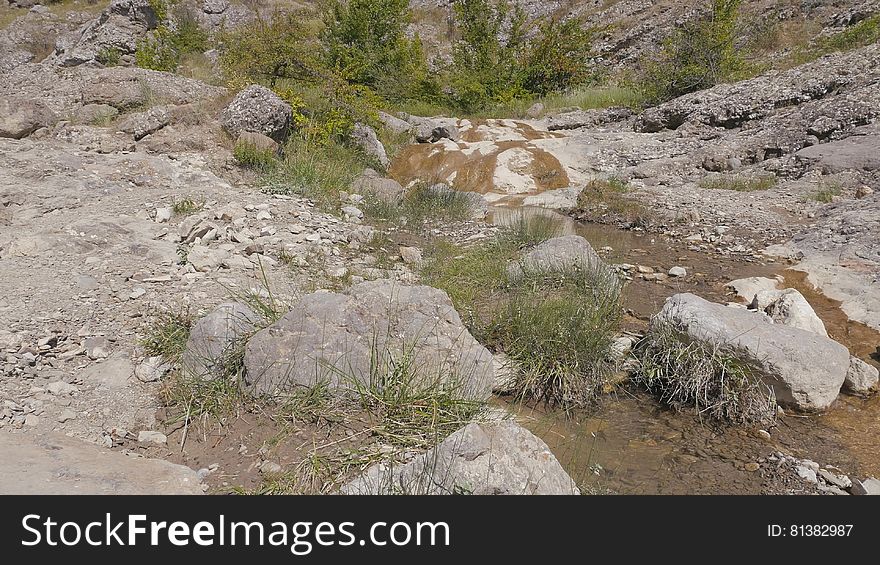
(632, 445)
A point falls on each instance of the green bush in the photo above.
(365, 42)
(701, 54)
(250, 156)
(163, 49)
(108, 56)
(558, 57)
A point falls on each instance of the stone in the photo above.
(152, 369)
(257, 109)
(66, 416)
(163, 215)
(841, 481)
(410, 255)
(214, 336)
(789, 307)
(215, 6)
(43, 465)
(97, 347)
(270, 469)
(96, 114)
(535, 111)
(804, 369)
(395, 124)
(492, 458)
(864, 192)
(678, 272)
(20, 117)
(352, 213)
(557, 254)
(205, 259)
(746, 289)
(861, 378)
(257, 141)
(150, 436)
(141, 124)
(60, 388)
(343, 339)
(365, 137)
(431, 130)
(504, 371)
(383, 189)
(112, 373)
(807, 474)
(869, 486)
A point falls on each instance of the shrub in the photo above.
(162, 51)
(423, 205)
(739, 183)
(713, 382)
(605, 197)
(701, 54)
(167, 334)
(250, 156)
(558, 57)
(826, 193)
(365, 42)
(108, 56)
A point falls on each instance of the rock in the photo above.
(410, 255)
(257, 109)
(535, 111)
(270, 469)
(678, 272)
(807, 474)
(20, 117)
(352, 213)
(152, 369)
(112, 373)
(857, 152)
(60, 388)
(141, 124)
(558, 199)
(163, 215)
(215, 336)
(119, 28)
(805, 369)
(215, 6)
(746, 289)
(841, 481)
(56, 464)
(861, 378)
(97, 347)
(499, 458)
(149, 436)
(556, 254)
(870, 486)
(345, 338)
(864, 192)
(431, 130)
(383, 189)
(789, 307)
(365, 137)
(504, 373)
(258, 141)
(395, 124)
(66, 416)
(95, 114)
(205, 259)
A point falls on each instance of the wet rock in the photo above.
(215, 336)
(805, 370)
(499, 458)
(861, 378)
(365, 137)
(20, 117)
(257, 109)
(790, 308)
(340, 339)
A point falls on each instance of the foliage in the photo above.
(162, 51)
(739, 183)
(700, 54)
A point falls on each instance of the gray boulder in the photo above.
(395, 124)
(431, 130)
(500, 458)
(21, 117)
(259, 110)
(365, 137)
(747, 288)
(556, 254)
(373, 184)
(861, 377)
(342, 339)
(857, 152)
(789, 307)
(805, 370)
(141, 124)
(213, 337)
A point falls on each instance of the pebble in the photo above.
(163, 215)
(678, 272)
(66, 416)
(150, 436)
(270, 468)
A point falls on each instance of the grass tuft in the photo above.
(167, 334)
(739, 183)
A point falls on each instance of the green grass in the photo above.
(826, 193)
(186, 206)
(739, 183)
(606, 197)
(167, 333)
(714, 383)
(861, 34)
(250, 156)
(422, 206)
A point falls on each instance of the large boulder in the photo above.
(431, 130)
(344, 339)
(57, 464)
(556, 254)
(257, 109)
(789, 307)
(216, 335)
(365, 137)
(806, 370)
(500, 458)
(21, 117)
(746, 289)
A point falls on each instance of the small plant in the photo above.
(251, 156)
(167, 334)
(606, 198)
(108, 56)
(714, 382)
(826, 193)
(423, 204)
(186, 206)
(739, 183)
